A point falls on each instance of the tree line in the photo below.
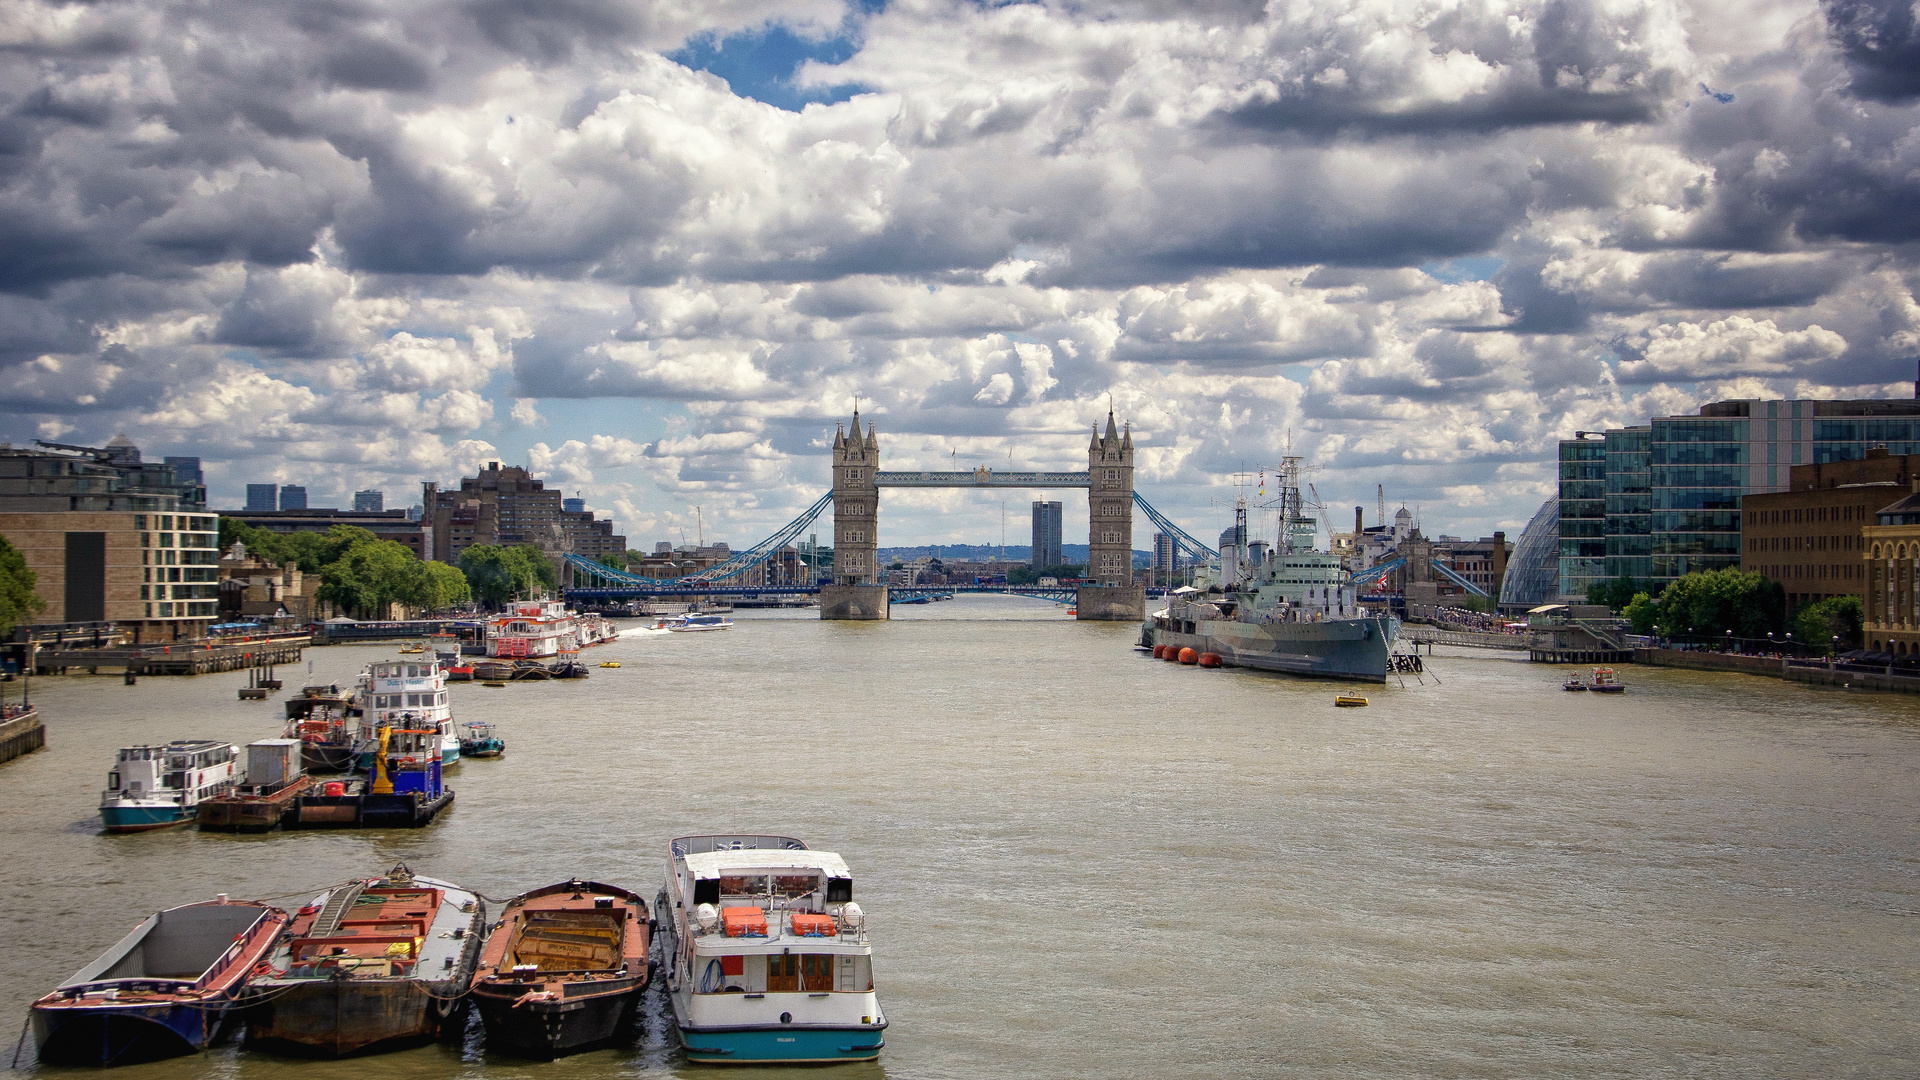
(1717, 604)
(364, 576)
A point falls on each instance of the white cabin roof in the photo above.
(713, 864)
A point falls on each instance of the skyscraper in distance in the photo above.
(370, 500)
(293, 497)
(263, 497)
(1046, 535)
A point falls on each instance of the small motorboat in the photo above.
(689, 624)
(1606, 682)
(495, 683)
(1574, 682)
(406, 649)
(564, 969)
(480, 741)
(1349, 701)
(165, 989)
(610, 663)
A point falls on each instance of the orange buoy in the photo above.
(1159, 651)
(1172, 653)
(1188, 656)
(1209, 659)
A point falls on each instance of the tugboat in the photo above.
(569, 669)
(318, 716)
(165, 989)
(152, 787)
(765, 953)
(564, 969)
(370, 965)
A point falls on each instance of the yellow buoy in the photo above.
(1349, 701)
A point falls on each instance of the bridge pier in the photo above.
(1111, 603)
(855, 602)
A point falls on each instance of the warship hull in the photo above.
(1345, 649)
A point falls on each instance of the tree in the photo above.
(1616, 593)
(498, 574)
(1643, 613)
(1713, 602)
(1816, 625)
(370, 577)
(17, 579)
(615, 561)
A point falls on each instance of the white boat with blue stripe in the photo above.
(153, 787)
(765, 954)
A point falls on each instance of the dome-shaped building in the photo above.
(1533, 574)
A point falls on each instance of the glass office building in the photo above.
(1533, 571)
(1583, 515)
(1669, 493)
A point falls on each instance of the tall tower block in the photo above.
(857, 591)
(1110, 593)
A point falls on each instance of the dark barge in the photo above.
(564, 969)
(370, 965)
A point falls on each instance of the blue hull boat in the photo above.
(783, 1044)
(165, 989)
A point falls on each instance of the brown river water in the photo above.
(1079, 862)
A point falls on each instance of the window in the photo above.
(816, 973)
(1113, 474)
(783, 974)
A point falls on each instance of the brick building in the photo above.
(1809, 537)
(508, 506)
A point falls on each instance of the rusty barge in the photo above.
(370, 965)
(564, 969)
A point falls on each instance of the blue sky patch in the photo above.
(761, 63)
(1465, 268)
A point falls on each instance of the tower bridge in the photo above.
(858, 588)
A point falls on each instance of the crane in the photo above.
(1321, 505)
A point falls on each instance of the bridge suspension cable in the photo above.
(1198, 551)
(608, 577)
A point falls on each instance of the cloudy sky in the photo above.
(655, 249)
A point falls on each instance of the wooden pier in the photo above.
(173, 658)
(22, 734)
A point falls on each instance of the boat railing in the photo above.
(697, 845)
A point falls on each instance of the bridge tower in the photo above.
(858, 591)
(1110, 594)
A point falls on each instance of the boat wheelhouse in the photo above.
(765, 954)
(319, 716)
(406, 695)
(163, 990)
(152, 787)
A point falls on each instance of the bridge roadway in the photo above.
(898, 594)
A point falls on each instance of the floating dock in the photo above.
(173, 658)
(359, 810)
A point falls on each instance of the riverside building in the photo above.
(112, 538)
(1697, 470)
(1809, 537)
(508, 506)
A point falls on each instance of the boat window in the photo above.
(743, 885)
(816, 973)
(706, 891)
(839, 890)
(113, 780)
(795, 885)
(783, 974)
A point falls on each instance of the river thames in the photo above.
(1080, 862)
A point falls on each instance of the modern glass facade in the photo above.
(1670, 492)
(1629, 524)
(1533, 573)
(1583, 515)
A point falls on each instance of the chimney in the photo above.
(1357, 527)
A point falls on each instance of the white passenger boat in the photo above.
(765, 953)
(406, 695)
(532, 630)
(689, 624)
(152, 787)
